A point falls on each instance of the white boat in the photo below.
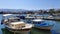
(19, 27)
(4, 19)
(40, 24)
(29, 17)
(7, 18)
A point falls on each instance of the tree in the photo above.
(51, 11)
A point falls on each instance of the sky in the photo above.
(29, 4)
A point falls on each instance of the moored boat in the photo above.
(19, 27)
(40, 24)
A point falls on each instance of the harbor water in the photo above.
(54, 30)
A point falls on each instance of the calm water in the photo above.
(54, 30)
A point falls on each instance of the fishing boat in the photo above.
(15, 25)
(41, 24)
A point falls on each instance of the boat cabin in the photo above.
(17, 25)
(37, 21)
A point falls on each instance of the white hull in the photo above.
(21, 31)
(45, 27)
(24, 30)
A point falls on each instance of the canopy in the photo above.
(7, 14)
(20, 22)
(37, 20)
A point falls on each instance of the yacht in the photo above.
(29, 16)
(41, 24)
(19, 27)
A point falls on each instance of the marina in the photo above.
(34, 30)
(29, 17)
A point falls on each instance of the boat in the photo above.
(13, 24)
(41, 24)
(9, 18)
(4, 19)
(29, 17)
(21, 16)
(19, 27)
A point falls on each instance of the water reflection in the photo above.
(56, 28)
(5, 31)
(38, 31)
(33, 31)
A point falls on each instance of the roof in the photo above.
(20, 22)
(7, 14)
(37, 20)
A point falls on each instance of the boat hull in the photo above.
(45, 27)
(21, 31)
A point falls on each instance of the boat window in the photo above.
(18, 19)
(23, 26)
(44, 24)
(12, 25)
(14, 20)
(36, 22)
(39, 22)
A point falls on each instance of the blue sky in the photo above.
(29, 4)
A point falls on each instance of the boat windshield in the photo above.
(37, 22)
(13, 20)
